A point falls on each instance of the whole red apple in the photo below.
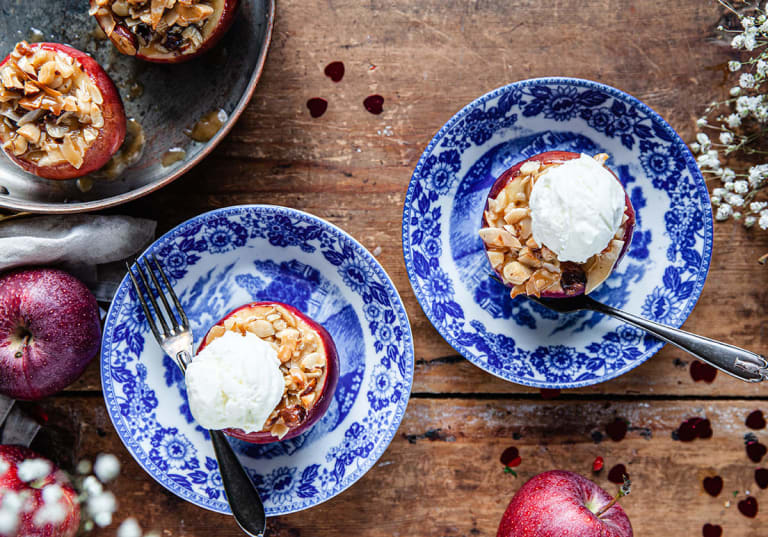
(49, 332)
(42, 513)
(563, 504)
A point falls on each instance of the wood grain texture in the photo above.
(429, 58)
(441, 476)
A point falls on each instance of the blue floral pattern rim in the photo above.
(218, 261)
(661, 277)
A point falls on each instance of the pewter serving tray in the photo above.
(173, 99)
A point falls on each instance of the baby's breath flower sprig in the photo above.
(732, 130)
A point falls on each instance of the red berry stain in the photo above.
(617, 429)
(617, 473)
(755, 420)
(755, 451)
(511, 457)
(713, 485)
(374, 104)
(702, 371)
(693, 428)
(711, 530)
(317, 106)
(335, 71)
(748, 507)
(549, 393)
(761, 477)
(597, 465)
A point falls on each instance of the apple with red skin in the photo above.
(111, 135)
(9, 481)
(570, 271)
(49, 332)
(326, 391)
(559, 503)
(127, 42)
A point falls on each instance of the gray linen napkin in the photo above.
(81, 244)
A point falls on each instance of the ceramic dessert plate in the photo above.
(162, 100)
(660, 277)
(224, 259)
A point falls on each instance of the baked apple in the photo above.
(164, 31)
(62, 116)
(309, 365)
(555, 225)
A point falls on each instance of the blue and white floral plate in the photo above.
(229, 257)
(660, 278)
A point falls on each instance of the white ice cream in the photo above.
(235, 381)
(576, 209)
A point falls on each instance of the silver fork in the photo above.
(176, 340)
(740, 363)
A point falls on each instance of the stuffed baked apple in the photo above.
(62, 116)
(164, 31)
(555, 225)
(265, 372)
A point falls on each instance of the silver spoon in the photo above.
(742, 364)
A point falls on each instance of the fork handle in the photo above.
(241, 493)
(740, 363)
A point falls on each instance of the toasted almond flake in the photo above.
(524, 226)
(496, 258)
(30, 132)
(530, 167)
(71, 152)
(513, 215)
(47, 72)
(527, 258)
(516, 273)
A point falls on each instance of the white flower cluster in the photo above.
(739, 124)
(98, 504)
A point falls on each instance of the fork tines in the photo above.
(172, 326)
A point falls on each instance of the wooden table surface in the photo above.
(441, 476)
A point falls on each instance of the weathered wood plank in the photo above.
(441, 476)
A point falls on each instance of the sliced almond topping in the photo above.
(516, 273)
(499, 238)
(530, 167)
(496, 258)
(527, 258)
(30, 132)
(512, 215)
(524, 226)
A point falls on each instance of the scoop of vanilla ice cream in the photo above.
(576, 208)
(235, 381)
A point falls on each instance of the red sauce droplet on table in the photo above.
(748, 507)
(761, 477)
(597, 465)
(756, 451)
(335, 71)
(702, 371)
(713, 485)
(711, 530)
(317, 106)
(755, 420)
(693, 428)
(617, 429)
(617, 473)
(549, 393)
(374, 104)
(511, 457)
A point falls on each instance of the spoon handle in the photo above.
(241, 493)
(740, 363)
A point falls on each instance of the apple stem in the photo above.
(624, 490)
